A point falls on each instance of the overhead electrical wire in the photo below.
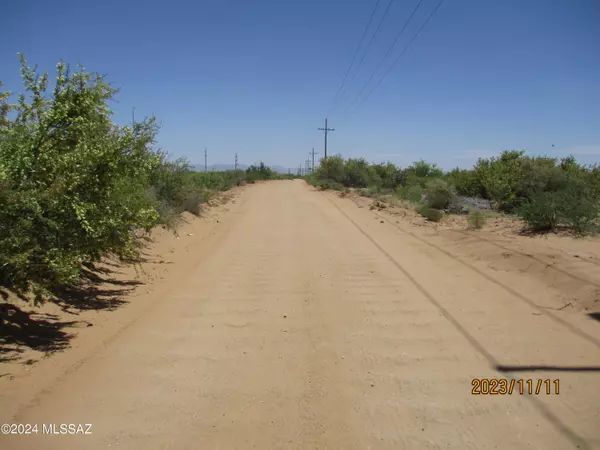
(401, 54)
(387, 10)
(389, 50)
(362, 39)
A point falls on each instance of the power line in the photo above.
(362, 39)
(390, 49)
(401, 54)
(371, 41)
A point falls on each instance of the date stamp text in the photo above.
(505, 386)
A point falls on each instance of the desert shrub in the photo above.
(567, 197)
(371, 191)
(534, 187)
(439, 194)
(74, 186)
(170, 181)
(582, 216)
(477, 220)
(388, 175)
(331, 168)
(260, 172)
(435, 215)
(466, 182)
(194, 201)
(594, 180)
(542, 210)
(423, 169)
(513, 178)
(579, 205)
(358, 173)
(501, 177)
(335, 186)
(329, 185)
(413, 194)
(419, 174)
(218, 181)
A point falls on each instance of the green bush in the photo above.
(358, 173)
(331, 168)
(194, 201)
(573, 203)
(423, 169)
(324, 185)
(388, 175)
(372, 191)
(542, 210)
(534, 187)
(582, 216)
(513, 178)
(467, 183)
(439, 194)
(501, 178)
(413, 194)
(74, 186)
(477, 220)
(260, 172)
(218, 181)
(432, 214)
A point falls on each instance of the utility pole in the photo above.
(307, 169)
(205, 160)
(236, 161)
(313, 153)
(326, 130)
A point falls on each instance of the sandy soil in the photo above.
(290, 318)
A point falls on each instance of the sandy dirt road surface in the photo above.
(305, 322)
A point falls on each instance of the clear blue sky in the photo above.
(258, 77)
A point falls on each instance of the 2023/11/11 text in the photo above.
(46, 428)
(506, 386)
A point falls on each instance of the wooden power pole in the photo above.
(326, 130)
(313, 153)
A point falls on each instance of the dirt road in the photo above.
(309, 323)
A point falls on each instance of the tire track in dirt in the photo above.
(436, 348)
(573, 437)
(298, 332)
(592, 339)
(546, 264)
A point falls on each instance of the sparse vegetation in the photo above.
(435, 215)
(477, 220)
(545, 192)
(439, 194)
(260, 172)
(413, 194)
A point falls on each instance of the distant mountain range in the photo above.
(221, 167)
